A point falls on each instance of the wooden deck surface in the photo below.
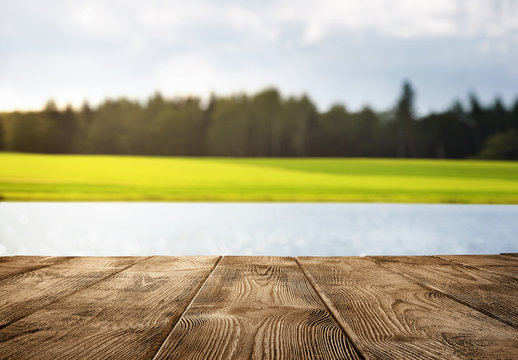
(240, 307)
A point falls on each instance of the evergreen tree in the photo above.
(2, 135)
(405, 118)
(264, 124)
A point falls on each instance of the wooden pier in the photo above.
(210, 307)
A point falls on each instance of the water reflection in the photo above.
(255, 229)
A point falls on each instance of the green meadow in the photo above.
(136, 178)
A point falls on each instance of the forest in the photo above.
(265, 124)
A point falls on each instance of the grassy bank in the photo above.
(72, 177)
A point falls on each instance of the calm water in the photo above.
(255, 229)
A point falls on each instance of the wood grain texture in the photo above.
(265, 309)
(24, 294)
(127, 316)
(503, 265)
(489, 293)
(388, 316)
(259, 307)
(15, 265)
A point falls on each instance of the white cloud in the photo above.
(95, 19)
(120, 20)
(248, 21)
(194, 74)
(403, 18)
(72, 49)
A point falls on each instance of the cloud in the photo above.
(403, 18)
(174, 21)
(195, 74)
(72, 49)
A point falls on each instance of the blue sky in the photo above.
(351, 51)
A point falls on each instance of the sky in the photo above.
(355, 52)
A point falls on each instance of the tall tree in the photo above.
(2, 134)
(335, 132)
(265, 127)
(110, 132)
(367, 133)
(514, 115)
(405, 118)
(478, 121)
(295, 119)
(500, 118)
(228, 133)
(84, 118)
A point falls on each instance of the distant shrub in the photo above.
(502, 146)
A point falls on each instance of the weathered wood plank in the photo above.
(260, 308)
(15, 265)
(24, 294)
(388, 316)
(503, 265)
(490, 293)
(127, 316)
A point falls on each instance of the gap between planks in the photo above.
(200, 287)
(478, 267)
(451, 296)
(266, 308)
(312, 282)
(330, 309)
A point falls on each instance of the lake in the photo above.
(322, 229)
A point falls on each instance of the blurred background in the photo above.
(276, 102)
(351, 51)
(343, 78)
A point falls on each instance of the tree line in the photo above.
(265, 124)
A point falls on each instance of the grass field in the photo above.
(72, 177)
